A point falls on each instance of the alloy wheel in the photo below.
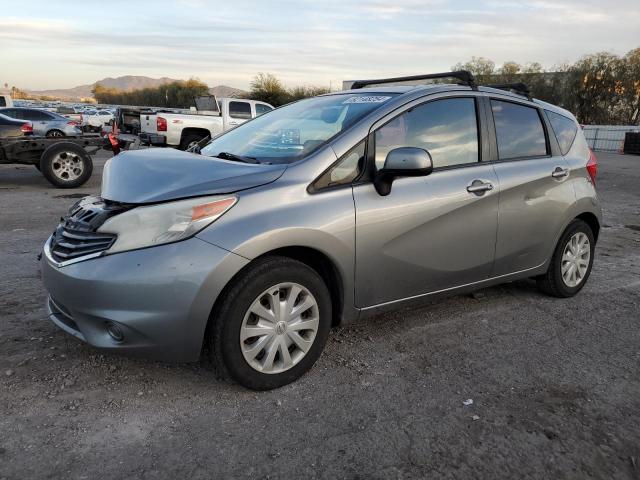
(279, 328)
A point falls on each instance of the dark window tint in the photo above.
(3, 102)
(519, 130)
(239, 110)
(36, 115)
(345, 171)
(565, 130)
(447, 129)
(260, 109)
(4, 120)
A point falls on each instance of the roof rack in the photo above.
(465, 77)
(519, 88)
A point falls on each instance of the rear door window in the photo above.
(3, 102)
(519, 131)
(564, 128)
(240, 109)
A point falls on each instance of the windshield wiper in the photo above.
(237, 158)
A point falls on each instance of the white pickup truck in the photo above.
(211, 118)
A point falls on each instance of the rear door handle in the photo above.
(560, 172)
(478, 187)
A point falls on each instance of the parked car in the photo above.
(44, 123)
(5, 100)
(321, 212)
(184, 130)
(10, 127)
(71, 113)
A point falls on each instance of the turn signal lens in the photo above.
(213, 209)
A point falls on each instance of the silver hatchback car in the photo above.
(319, 213)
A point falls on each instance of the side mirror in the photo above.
(402, 162)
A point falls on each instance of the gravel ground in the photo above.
(554, 383)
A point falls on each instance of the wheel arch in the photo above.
(194, 131)
(592, 220)
(311, 257)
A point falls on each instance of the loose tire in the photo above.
(271, 325)
(66, 165)
(190, 140)
(55, 133)
(571, 263)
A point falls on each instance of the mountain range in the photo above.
(127, 83)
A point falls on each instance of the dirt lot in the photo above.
(555, 383)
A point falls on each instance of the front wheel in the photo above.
(571, 263)
(271, 325)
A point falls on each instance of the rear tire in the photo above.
(568, 272)
(55, 134)
(66, 165)
(269, 283)
(189, 140)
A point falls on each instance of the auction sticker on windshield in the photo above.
(367, 99)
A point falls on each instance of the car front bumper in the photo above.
(159, 298)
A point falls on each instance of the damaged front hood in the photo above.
(161, 174)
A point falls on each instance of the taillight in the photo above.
(26, 128)
(161, 123)
(72, 123)
(592, 166)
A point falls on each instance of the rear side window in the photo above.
(3, 102)
(519, 131)
(35, 115)
(565, 130)
(239, 110)
(260, 109)
(447, 129)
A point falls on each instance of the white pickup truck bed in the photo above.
(182, 130)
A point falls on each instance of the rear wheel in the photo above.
(55, 133)
(272, 324)
(66, 165)
(190, 140)
(571, 263)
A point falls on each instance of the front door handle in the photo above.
(560, 172)
(479, 187)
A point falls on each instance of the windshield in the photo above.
(294, 131)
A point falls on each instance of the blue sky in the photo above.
(56, 44)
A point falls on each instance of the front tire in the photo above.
(271, 324)
(571, 263)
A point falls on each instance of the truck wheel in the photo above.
(66, 165)
(189, 141)
(271, 325)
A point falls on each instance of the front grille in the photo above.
(67, 244)
(77, 236)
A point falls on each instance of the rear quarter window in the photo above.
(564, 129)
(519, 131)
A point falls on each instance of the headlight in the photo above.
(164, 223)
